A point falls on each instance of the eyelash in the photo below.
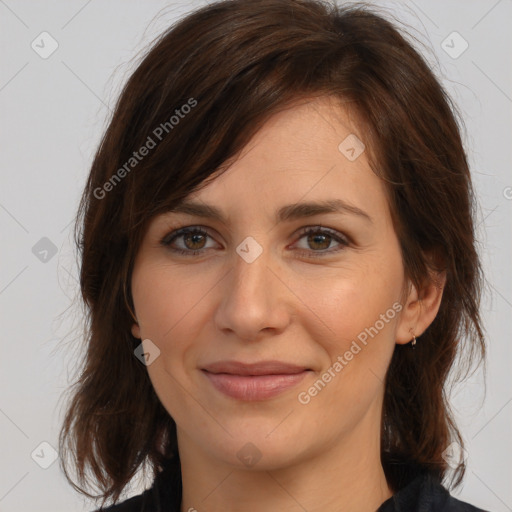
(171, 237)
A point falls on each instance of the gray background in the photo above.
(53, 112)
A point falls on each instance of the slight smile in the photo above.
(254, 381)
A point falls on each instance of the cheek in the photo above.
(172, 308)
(361, 309)
(355, 304)
(361, 313)
(167, 305)
(166, 300)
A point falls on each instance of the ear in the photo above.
(420, 307)
(136, 330)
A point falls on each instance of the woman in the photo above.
(279, 265)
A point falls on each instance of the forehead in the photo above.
(312, 150)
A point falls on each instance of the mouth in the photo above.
(254, 381)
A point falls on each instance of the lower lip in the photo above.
(254, 387)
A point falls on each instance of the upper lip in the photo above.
(259, 368)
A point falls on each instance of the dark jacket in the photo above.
(422, 494)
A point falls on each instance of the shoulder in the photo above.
(454, 505)
(164, 494)
(426, 494)
(443, 501)
(137, 503)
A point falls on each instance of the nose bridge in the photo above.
(250, 297)
(250, 278)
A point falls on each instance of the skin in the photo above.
(287, 305)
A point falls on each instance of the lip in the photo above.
(252, 369)
(255, 381)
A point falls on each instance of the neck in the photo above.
(348, 477)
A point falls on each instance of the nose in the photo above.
(254, 299)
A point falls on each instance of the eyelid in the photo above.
(178, 231)
(342, 239)
(323, 229)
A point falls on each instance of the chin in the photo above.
(256, 448)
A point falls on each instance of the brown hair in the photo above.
(235, 63)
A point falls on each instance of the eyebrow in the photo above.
(285, 213)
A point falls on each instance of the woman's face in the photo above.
(258, 288)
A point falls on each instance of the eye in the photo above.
(193, 237)
(319, 239)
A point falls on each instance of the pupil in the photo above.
(194, 237)
(324, 237)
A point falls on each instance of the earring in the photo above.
(413, 342)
